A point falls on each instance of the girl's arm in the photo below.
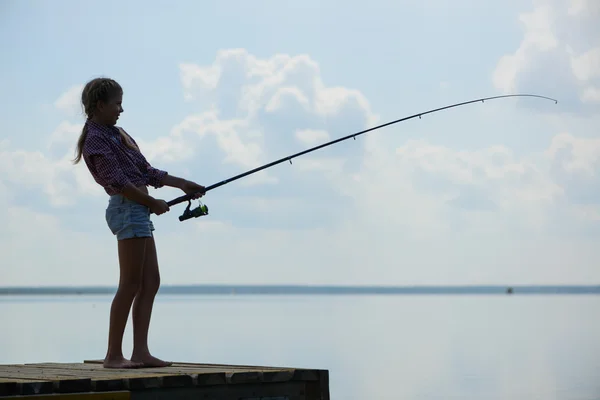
(173, 181)
(188, 187)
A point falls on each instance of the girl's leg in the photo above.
(131, 262)
(142, 309)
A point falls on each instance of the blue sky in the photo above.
(488, 193)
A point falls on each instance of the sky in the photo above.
(504, 192)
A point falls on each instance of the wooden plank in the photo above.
(229, 366)
(306, 375)
(74, 371)
(16, 380)
(110, 385)
(50, 375)
(12, 386)
(158, 370)
(277, 390)
(164, 377)
(211, 379)
(112, 379)
(8, 388)
(120, 395)
(104, 382)
(243, 377)
(297, 373)
(301, 374)
(62, 379)
(232, 377)
(278, 376)
(208, 365)
(64, 384)
(318, 390)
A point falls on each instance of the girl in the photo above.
(116, 163)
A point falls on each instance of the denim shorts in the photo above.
(127, 219)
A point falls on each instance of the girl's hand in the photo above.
(191, 187)
(158, 207)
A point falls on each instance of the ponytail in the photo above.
(80, 143)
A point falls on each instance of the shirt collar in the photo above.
(111, 130)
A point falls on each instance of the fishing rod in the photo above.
(202, 209)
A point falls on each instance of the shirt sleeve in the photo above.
(155, 176)
(103, 160)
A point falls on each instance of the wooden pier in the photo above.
(180, 381)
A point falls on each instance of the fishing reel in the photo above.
(199, 211)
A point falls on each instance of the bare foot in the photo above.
(149, 361)
(121, 362)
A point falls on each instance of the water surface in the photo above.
(377, 347)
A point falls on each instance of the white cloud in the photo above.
(70, 101)
(40, 248)
(559, 53)
(194, 76)
(312, 136)
(583, 153)
(587, 65)
(287, 95)
(56, 177)
(65, 135)
(250, 84)
(33, 170)
(51, 172)
(587, 8)
(538, 37)
(591, 95)
(255, 106)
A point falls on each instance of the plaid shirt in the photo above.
(113, 164)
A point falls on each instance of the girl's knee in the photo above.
(130, 288)
(151, 284)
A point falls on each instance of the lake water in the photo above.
(375, 347)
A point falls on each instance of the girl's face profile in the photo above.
(110, 111)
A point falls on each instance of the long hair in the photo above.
(98, 89)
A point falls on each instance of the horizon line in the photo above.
(313, 289)
(319, 285)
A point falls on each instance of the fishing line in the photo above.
(202, 209)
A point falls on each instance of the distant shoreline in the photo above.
(312, 290)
